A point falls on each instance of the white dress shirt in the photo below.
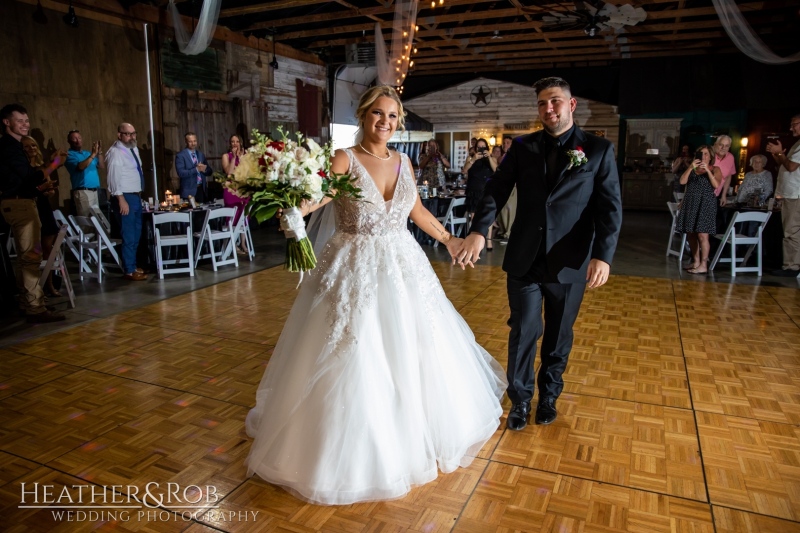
(789, 182)
(123, 175)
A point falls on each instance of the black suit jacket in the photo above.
(577, 221)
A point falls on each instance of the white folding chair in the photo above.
(450, 218)
(55, 263)
(93, 240)
(166, 241)
(71, 238)
(223, 216)
(102, 218)
(242, 233)
(678, 196)
(674, 235)
(735, 237)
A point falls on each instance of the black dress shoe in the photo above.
(518, 417)
(546, 411)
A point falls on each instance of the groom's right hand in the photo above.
(470, 250)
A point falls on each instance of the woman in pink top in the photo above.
(723, 160)
(230, 161)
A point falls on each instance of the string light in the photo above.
(411, 64)
(405, 34)
(416, 28)
(415, 49)
(433, 4)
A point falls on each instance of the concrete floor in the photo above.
(641, 252)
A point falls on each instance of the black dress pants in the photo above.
(561, 303)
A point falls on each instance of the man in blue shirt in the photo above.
(193, 169)
(82, 166)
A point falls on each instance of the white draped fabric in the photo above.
(393, 65)
(743, 36)
(204, 31)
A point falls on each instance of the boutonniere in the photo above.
(576, 157)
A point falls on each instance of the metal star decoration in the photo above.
(481, 96)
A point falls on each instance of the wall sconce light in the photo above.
(742, 159)
(492, 140)
(71, 19)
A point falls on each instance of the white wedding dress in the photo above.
(376, 379)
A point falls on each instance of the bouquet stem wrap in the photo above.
(299, 251)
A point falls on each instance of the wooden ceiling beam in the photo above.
(575, 34)
(576, 43)
(440, 68)
(508, 58)
(268, 6)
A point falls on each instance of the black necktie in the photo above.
(139, 168)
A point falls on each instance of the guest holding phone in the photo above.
(698, 214)
(479, 168)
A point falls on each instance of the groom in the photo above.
(564, 235)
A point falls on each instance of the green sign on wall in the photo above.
(199, 72)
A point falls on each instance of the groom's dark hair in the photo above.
(549, 83)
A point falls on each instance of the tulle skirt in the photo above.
(376, 382)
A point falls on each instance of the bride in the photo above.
(376, 382)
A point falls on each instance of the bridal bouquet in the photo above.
(280, 174)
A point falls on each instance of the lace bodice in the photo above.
(372, 215)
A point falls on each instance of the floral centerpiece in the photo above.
(281, 174)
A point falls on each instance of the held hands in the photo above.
(201, 167)
(597, 273)
(468, 250)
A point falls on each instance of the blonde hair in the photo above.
(38, 159)
(370, 96)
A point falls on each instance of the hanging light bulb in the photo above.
(433, 4)
(416, 28)
(415, 49)
(441, 2)
(39, 15)
(71, 19)
(259, 64)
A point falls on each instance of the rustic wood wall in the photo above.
(93, 77)
(511, 110)
(88, 78)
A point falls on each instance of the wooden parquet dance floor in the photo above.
(681, 413)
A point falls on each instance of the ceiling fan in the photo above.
(593, 17)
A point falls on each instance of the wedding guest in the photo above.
(698, 214)
(788, 190)
(507, 140)
(569, 213)
(473, 146)
(679, 166)
(193, 169)
(82, 166)
(44, 208)
(230, 160)
(364, 396)
(723, 160)
(125, 184)
(19, 183)
(433, 164)
(479, 168)
(757, 180)
(497, 154)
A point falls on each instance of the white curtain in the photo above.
(393, 65)
(204, 31)
(745, 38)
